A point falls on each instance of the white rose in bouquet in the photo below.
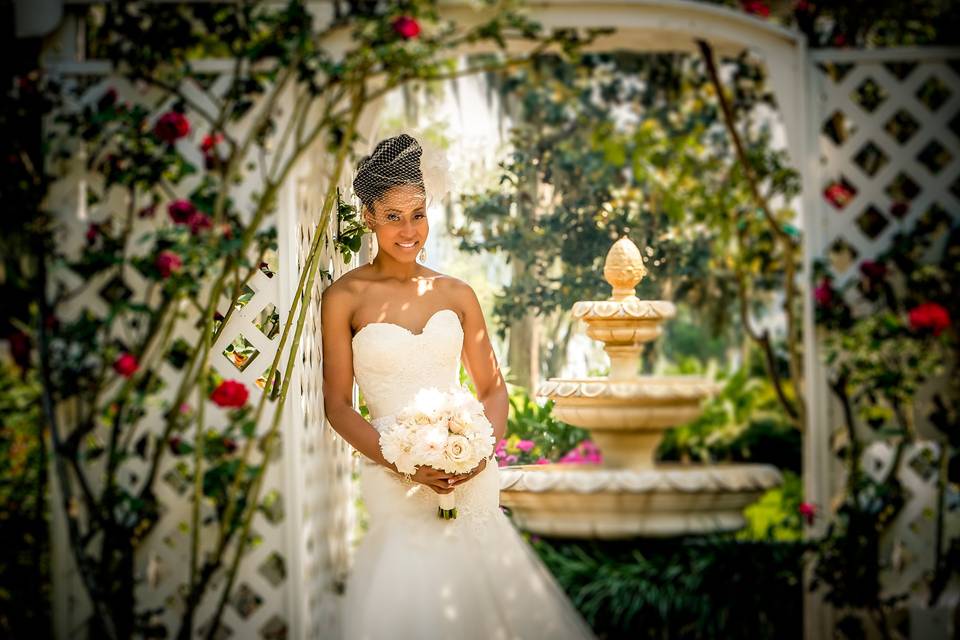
(443, 429)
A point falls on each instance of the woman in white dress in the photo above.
(396, 326)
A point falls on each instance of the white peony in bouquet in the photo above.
(445, 429)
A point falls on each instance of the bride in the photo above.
(397, 326)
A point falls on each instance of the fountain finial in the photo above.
(623, 269)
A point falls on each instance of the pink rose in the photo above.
(168, 263)
(543, 461)
(929, 317)
(511, 459)
(126, 364)
(171, 126)
(230, 393)
(823, 295)
(180, 211)
(406, 27)
(808, 511)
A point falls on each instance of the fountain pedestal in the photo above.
(629, 495)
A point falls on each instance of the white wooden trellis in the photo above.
(291, 574)
(885, 125)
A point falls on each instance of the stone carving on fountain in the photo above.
(629, 495)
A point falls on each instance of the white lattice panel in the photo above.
(301, 549)
(888, 129)
(890, 134)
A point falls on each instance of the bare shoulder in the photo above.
(347, 285)
(340, 296)
(460, 292)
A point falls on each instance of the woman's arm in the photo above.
(481, 362)
(338, 377)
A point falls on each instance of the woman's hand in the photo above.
(460, 478)
(433, 478)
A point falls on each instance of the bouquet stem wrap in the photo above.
(448, 506)
(444, 429)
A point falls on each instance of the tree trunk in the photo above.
(524, 345)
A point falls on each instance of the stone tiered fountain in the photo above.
(628, 494)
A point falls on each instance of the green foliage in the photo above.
(707, 587)
(776, 515)
(886, 334)
(25, 563)
(527, 420)
(743, 422)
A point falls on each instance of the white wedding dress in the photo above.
(415, 576)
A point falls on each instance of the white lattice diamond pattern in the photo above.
(162, 561)
(870, 156)
(877, 124)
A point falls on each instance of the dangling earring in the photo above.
(423, 254)
(373, 245)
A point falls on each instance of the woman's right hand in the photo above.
(433, 478)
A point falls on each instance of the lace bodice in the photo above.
(391, 363)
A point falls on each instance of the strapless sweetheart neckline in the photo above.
(403, 328)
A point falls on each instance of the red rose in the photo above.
(92, 232)
(406, 27)
(823, 294)
(230, 445)
(171, 127)
(929, 316)
(126, 364)
(168, 262)
(210, 141)
(873, 270)
(180, 211)
(839, 40)
(198, 222)
(838, 195)
(175, 442)
(756, 7)
(808, 511)
(230, 393)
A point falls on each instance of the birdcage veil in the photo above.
(421, 170)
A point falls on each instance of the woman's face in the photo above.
(399, 218)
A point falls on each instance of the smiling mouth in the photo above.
(408, 245)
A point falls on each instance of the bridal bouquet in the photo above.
(445, 429)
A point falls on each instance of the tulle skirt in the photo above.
(418, 577)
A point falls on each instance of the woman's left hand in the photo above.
(463, 477)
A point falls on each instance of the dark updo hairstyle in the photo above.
(394, 161)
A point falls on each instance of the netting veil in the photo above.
(390, 182)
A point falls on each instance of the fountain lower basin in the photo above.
(588, 501)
